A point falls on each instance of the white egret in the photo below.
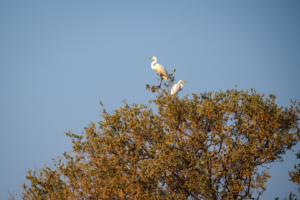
(177, 87)
(159, 69)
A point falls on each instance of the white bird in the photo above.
(177, 87)
(159, 69)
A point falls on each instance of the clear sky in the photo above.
(59, 58)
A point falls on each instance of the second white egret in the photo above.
(177, 87)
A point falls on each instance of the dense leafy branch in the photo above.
(209, 146)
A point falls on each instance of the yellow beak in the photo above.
(184, 81)
(151, 58)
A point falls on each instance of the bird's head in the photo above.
(153, 58)
(181, 81)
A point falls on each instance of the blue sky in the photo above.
(60, 58)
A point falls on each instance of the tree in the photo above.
(295, 175)
(210, 146)
(291, 197)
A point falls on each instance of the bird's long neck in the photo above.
(153, 63)
(181, 86)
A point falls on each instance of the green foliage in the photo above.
(205, 147)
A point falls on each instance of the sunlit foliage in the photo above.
(295, 175)
(209, 146)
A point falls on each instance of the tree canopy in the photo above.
(215, 145)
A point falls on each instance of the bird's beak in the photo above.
(184, 81)
(151, 58)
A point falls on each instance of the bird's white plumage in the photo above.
(159, 68)
(177, 87)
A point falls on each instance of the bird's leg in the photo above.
(160, 82)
